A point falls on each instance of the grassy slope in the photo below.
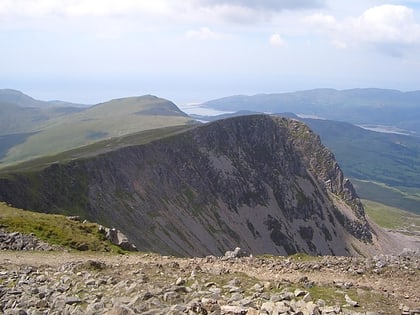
(112, 119)
(54, 229)
(402, 198)
(17, 120)
(96, 148)
(391, 217)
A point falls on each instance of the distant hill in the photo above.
(30, 132)
(10, 96)
(20, 113)
(357, 106)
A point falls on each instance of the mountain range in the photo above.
(176, 186)
(368, 106)
(247, 182)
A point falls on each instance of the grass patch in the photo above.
(55, 229)
(391, 217)
(330, 295)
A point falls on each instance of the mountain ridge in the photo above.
(45, 133)
(21, 99)
(245, 181)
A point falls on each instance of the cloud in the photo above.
(387, 24)
(322, 21)
(42, 8)
(392, 29)
(251, 11)
(204, 33)
(339, 44)
(276, 5)
(276, 40)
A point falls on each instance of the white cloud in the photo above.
(390, 28)
(276, 40)
(339, 44)
(204, 33)
(115, 8)
(322, 21)
(267, 4)
(43, 8)
(387, 24)
(203, 11)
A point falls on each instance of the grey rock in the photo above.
(236, 253)
(350, 301)
(299, 292)
(307, 297)
(73, 300)
(118, 238)
(233, 310)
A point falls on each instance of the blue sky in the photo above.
(194, 50)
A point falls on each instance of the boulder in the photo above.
(118, 238)
(236, 253)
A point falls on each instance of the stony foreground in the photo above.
(69, 283)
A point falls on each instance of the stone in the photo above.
(118, 238)
(299, 292)
(312, 308)
(236, 253)
(268, 307)
(350, 302)
(180, 281)
(73, 300)
(233, 310)
(307, 297)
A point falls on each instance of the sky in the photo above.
(190, 51)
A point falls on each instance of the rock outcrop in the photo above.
(118, 238)
(264, 184)
(20, 241)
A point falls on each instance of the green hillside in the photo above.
(96, 148)
(392, 217)
(55, 229)
(387, 158)
(15, 119)
(403, 198)
(20, 113)
(106, 120)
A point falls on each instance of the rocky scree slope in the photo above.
(70, 283)
(263, 183)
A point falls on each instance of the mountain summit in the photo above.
(263, 183)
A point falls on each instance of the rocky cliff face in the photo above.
(265, 184)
